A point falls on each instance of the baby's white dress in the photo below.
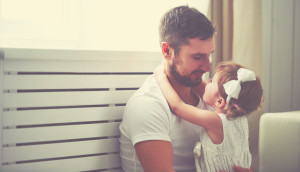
(234, 149)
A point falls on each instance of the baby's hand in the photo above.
(159, 72)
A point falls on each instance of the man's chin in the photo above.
(188, 81)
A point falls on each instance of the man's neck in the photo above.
(185, 93)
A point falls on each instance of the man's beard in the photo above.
(183, 80)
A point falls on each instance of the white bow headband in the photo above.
(233, 87)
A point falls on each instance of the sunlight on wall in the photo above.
(28, 9)
(130, 25)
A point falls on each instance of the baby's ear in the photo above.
(220, 102)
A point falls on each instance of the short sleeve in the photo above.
(147, 119)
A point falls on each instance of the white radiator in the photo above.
(61, 109)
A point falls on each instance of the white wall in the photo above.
(1, 103)
(118, 25)
(281, 44)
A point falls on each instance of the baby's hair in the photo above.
(251, 91)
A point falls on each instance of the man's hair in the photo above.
(250, 97)
(182, 23)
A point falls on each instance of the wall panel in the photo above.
(61, 109)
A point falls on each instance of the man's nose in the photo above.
(205, 66)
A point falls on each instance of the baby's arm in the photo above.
(204, 118)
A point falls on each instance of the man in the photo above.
(153, 139)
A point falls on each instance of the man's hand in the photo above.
(241, 169)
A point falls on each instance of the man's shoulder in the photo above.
(149, 92)
(147, 107)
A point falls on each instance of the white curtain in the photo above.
(239, 38)
(222, 19)
(248, 50)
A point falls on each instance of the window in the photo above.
(125, 25)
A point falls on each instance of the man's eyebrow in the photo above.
(201, 54)
(198, 54)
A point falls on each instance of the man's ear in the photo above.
(166, 50)
(220, 102)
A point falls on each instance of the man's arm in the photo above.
(155, 155)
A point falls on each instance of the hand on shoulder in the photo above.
(159, 72)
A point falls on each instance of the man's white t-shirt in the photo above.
(147, 116)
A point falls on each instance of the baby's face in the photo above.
(211, 91)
